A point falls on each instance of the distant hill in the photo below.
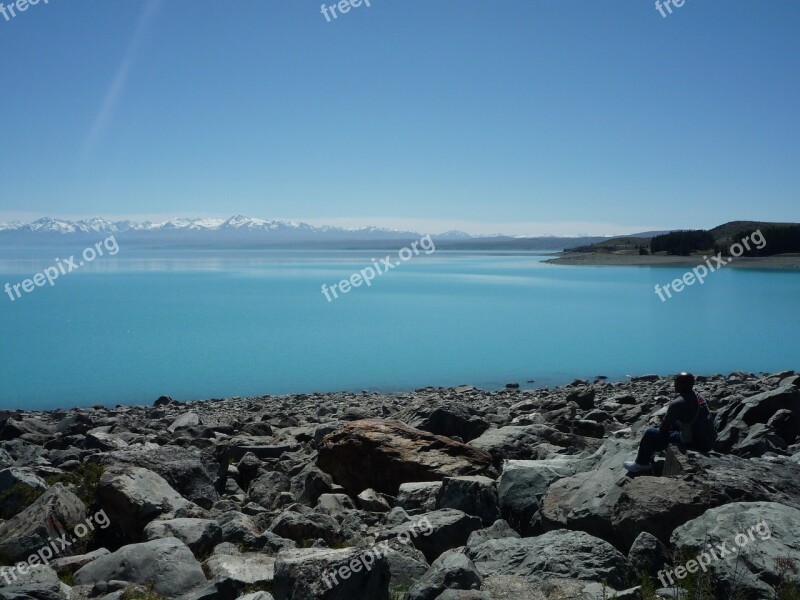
(724, 234)
(785, 238)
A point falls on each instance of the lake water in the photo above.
(195, 325)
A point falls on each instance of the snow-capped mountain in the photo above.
(248, 232)
(238, 230)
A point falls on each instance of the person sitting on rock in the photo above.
(688, 421)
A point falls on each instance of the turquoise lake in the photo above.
(195, 325)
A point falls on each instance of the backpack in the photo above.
(704, 431)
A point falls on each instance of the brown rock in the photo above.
(382, 455)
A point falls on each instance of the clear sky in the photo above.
(520, 116)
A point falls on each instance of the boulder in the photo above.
(307, 527)
(608, 504)
(583, 397)
(244, 568)
(786, 424)
(498, 530)
(190, 419)
(521, 442)
(473, 494)
(323, 574)
(561, 553)
(382, 455)
(648, 554)
(524, 483)
(267, 487)
(756, 537)
(761, 407)
(418, 496)
(406, 563)
(70, 564)
(19, 487)
(197, 475)
(372, 501)
(448, 419)
(309, 484)
(452, 570)
(759, 440)
(335, 504)
(133, 496)
(200, 535)
(49, 517)
(167, 564)
(38, 582)
(435, 532)
(463, 595)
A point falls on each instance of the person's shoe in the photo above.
(634, 467)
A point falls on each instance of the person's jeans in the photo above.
(654, 441)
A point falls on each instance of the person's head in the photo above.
(684, 383)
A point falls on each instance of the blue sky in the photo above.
(520, 116)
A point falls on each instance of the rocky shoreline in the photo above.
(439, 494)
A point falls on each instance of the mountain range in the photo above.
(249, 232)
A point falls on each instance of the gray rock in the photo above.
(583, 397)
(266, 488)
(759, 440)
(449, 419)
(133, 496)
(186, 420)
(761, 407)
(218, 589)
(200, 535)
(18, 488)
(372, 501)
(498, 530)
(452, 570)
(335, 504)
(167, 564)
(435, 532)
(52, 514)
(406, 563)
(561, 553)
(418, 496)
(786, 424)
(608, 504)
(303, 528)
(648, 554)
(521, 442)
(244, 568)
(524, 483)
(31, 581)
(196, 475)
(70, 564)
(317, 574)
(475, 495)
(463, 595)
(103, 440)
(755, 534)
(310, 483)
